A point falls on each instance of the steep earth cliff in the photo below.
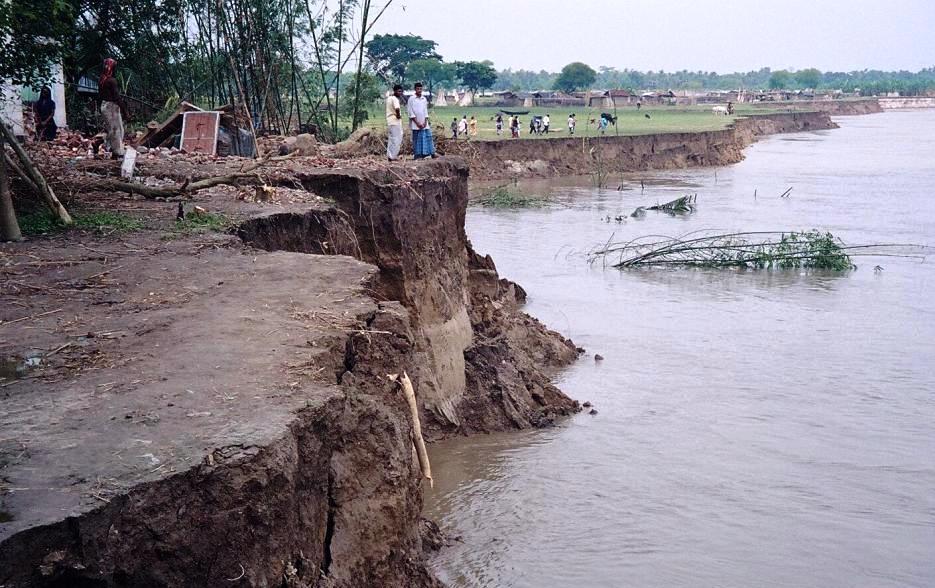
(483, 363)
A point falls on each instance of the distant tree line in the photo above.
(868, 82)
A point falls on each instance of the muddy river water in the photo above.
(753, 428)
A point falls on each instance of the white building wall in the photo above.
(11, 107)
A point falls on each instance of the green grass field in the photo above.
(663, 119)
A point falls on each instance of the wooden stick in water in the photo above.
(417, 439)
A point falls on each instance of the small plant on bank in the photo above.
(202, 222)
(506, 197)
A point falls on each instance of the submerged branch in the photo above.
(758, 250)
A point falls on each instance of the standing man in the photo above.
(113, 109)
(571, 124)
(545, 123)
(418, 109)
(394, 124)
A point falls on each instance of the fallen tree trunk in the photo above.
(248, 176)
(184, 189)
(9, 228)
(36, 176)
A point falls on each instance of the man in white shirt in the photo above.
(394, 124)
(418, 108)
(571, 124)
(545, 124)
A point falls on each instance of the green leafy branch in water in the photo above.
(505, 197)
(684, 205)
(755, 250)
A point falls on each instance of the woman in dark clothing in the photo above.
(44, 111)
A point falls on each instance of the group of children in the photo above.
(538, 125)
(463, 127)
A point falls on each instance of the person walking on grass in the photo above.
(545, 124)
(571, 124)
(394, 124)
(499, 124)
(463, 126)
(454, 128)
(113, 109)
(417, 107)
(472, 126)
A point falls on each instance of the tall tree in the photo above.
(391, 54)
(432, 73)
(575, 76)
(780, 80)
(808, 78)
(476, 75)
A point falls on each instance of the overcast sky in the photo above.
(709, 35)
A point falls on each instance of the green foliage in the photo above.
(505, 197)
(105, 222)
(432, 72)
(31, 38)
(811, 249)
(202, 222)
(805, 250)
(390, 55)
(369, 92)
(575, 76)
(808, 78)
(476, 75)
(780, 79)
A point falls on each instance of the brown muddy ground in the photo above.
(196, 409)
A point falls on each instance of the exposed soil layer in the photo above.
(581, 156)
(205, 411)
(482, 362)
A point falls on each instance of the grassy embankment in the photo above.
(663, 119)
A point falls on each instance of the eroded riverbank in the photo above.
(204, 411)
(571, 156)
